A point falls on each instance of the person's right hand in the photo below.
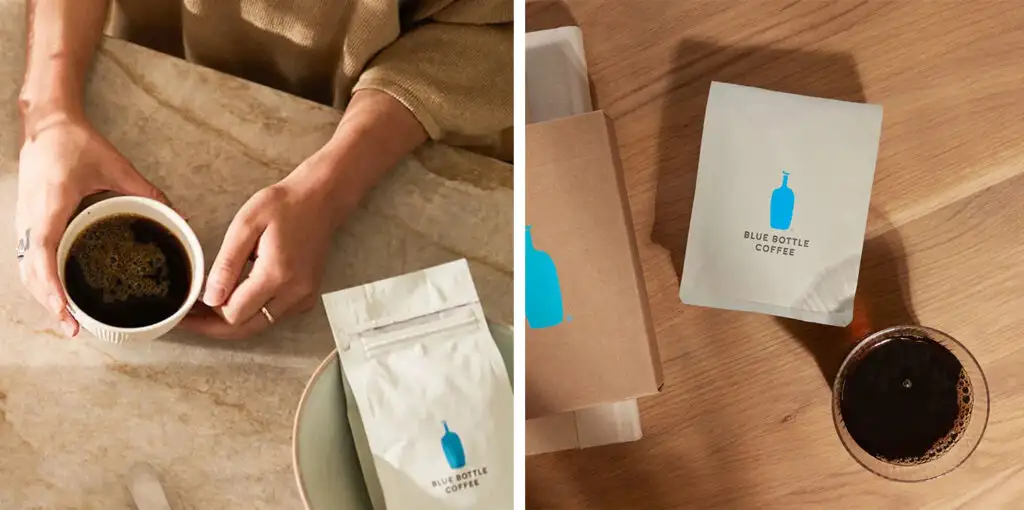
(63, 160)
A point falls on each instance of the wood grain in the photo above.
(744, 420)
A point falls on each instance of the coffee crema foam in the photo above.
(116, 264)
(946, 443)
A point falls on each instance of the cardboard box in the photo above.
(589, 337)
(557, 86)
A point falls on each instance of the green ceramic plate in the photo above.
(325, 446)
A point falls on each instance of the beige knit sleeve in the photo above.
(454, 71)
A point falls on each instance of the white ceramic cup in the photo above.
(153, 210)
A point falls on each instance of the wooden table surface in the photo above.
(744, 420)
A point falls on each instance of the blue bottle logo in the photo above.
(782, 205)
(452, 446)
(543, 292)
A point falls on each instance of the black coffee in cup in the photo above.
(906, 400)
(128, 271)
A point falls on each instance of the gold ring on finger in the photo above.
(266, 313)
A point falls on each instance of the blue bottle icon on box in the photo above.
(452, 446)
(543, 292)
(782, 205)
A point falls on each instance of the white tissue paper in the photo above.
(430, 388)
(781, 203)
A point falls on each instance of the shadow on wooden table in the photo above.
(882, 300)
(697, 64)
(548, 14)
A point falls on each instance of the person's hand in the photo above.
(63, 160)
(288, 226)
(286, 230)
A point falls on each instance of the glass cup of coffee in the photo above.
(910, 403)
(132, 268)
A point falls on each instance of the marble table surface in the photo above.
(214, 418)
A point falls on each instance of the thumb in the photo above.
(39, 269)
(239, 243)
(129, 181)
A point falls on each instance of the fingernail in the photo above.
(56, 305)
(214, 295)
(68, 327)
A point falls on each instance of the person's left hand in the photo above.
(287, 227)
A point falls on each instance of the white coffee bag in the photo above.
(431, 390)
(781, 203)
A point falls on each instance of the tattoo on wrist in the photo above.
(24, 243)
